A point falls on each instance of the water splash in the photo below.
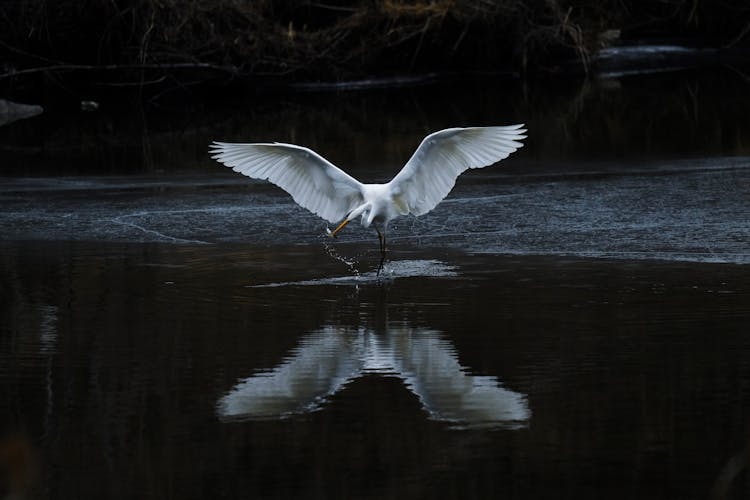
(429, 268)
(334, 253)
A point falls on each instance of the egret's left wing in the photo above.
(431, 172)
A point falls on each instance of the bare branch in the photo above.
(58, 68)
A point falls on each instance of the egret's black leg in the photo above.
(381, 240)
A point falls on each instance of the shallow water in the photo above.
(572, 323)
(691, 210)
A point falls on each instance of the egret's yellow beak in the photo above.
(339, 228)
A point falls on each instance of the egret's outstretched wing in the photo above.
(431, 172)
(314, 182)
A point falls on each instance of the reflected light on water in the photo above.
(326, 360)
(407, 268)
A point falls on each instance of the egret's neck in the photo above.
(358, 211)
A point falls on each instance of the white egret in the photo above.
(326, 190)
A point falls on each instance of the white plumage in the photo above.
(327, 191)
(313, 181)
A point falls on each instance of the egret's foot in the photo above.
(381, 241)
(382, 262)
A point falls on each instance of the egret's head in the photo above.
(364, 210)
(368, 216)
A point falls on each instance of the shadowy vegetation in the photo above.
(147, 41)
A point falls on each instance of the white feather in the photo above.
(314, 182)
(432, 171)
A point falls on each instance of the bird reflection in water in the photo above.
(328, 359)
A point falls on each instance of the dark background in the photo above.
(107, 47)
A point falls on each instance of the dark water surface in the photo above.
(160, 371)
(572, 323)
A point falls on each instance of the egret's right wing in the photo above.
(431, 172)
(314, 182)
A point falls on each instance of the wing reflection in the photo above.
(323, 362)
(327, 359)
(430, 368)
